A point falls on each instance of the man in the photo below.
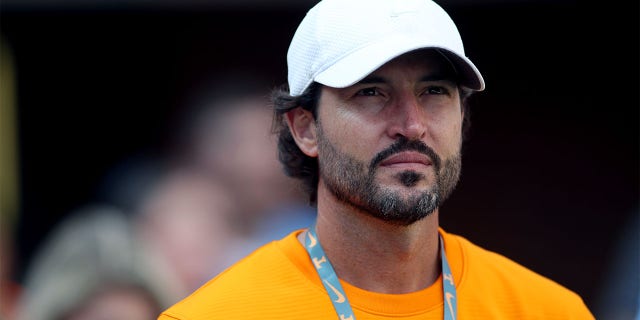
(374, 119)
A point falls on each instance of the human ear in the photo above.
(302, 125)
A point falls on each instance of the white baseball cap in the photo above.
(339, 42)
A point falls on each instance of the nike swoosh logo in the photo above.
(341, 297)
(448, 296)
(312, 240)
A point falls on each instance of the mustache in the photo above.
(404, 144)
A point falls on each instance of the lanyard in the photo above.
(338, 296)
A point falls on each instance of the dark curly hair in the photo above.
(295, 163)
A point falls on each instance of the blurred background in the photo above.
(136, 159)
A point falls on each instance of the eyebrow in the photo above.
(426, 78)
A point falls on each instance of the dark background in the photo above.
(550, 172)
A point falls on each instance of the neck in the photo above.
(375, 255)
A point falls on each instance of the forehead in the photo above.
(424, 61)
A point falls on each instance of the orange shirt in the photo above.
(278, 281)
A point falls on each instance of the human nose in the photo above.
(409, 119)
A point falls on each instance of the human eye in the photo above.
(437, 90)
(369, 92)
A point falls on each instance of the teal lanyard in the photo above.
(338, 296)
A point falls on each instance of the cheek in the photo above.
(446, 133)
(352, 133)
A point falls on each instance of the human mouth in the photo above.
(407, 160)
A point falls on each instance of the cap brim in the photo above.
(358, 64)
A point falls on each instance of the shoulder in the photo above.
(261, 276)
(487, 273)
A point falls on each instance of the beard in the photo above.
(353, 182)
